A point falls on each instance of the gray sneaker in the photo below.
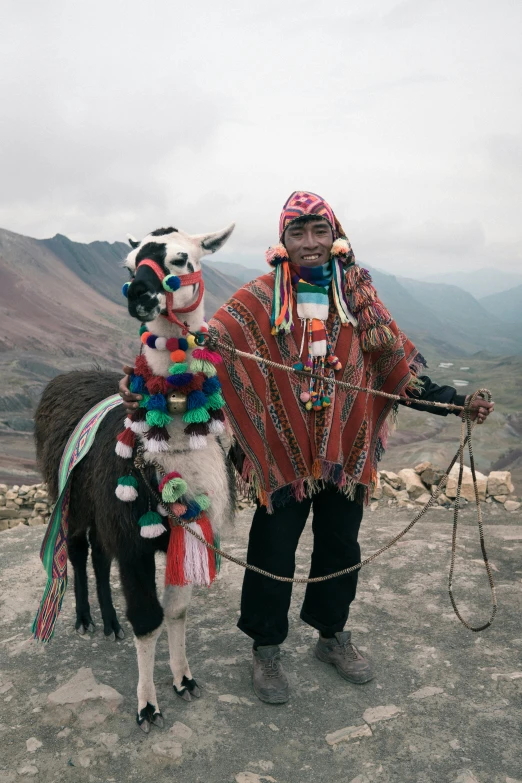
(345, 656)
(269, 680)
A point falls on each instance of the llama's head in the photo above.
(175, 253)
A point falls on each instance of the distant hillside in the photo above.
(507, 306)
(483, 282)
(243, 274)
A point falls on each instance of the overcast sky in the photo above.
(122, 116)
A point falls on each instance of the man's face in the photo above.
(310, 243)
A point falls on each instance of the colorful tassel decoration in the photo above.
(196, 416)
(172, 487)
(175, 571)
(202, 365)
(151, 525)
(158, 419)
(209, 356)
(125, 443)
(127, 489)
(138, 422)
(157, 440)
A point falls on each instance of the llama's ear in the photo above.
(210, 243)
(132, 242)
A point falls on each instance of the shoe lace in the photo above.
(349, 650)
(271, 666)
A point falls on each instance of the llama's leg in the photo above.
(144, 612)
(175, 604)
(102, 569)
(78, 551)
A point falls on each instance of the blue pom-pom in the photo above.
(182, 344)
(151, 340)
(211, 385)
(157, 402)
(193, 511)
(125, 289)
(196, 399)
(180, 380)
(137, 384)
(171, 283)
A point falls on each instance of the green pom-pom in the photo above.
(128, 481)
(149, 518)
(178, 368)
(158, 418)
(143, 328)
(215, 401)
(201, 365)
(173, 490)
(203, 501)
(144, 402)
(196, 416)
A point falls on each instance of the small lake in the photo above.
(461, 383)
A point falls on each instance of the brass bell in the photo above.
(176, 402)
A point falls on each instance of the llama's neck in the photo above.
(160, 361)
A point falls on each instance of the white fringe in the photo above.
(126, 493)
(123, 451)
(198, 442)
(152, 531)
(156, 446)
(216, 427)
(139, 426)
(195, 564)
(128, 423)
(160, 508)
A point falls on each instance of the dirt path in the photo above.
(445, 704)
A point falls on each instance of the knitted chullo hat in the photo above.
(353, 292)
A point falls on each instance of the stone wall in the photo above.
(410, 487)
(23, 505)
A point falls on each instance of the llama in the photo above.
(98, 513)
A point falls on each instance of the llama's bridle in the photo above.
(171, 283)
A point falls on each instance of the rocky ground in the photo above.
(446, 704)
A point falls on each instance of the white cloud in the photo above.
(122, 116)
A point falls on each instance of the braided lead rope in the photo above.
(215, 345)
(465, 439)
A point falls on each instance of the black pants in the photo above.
(272, 546)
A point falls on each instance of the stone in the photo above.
(33, 744)
(499, 483)
(28, 769)
(412, 482)
(389, 492)
(499, 498)
(3, 488)
(82, 687)
(40, 506)
(14, 522)
(422, 466)
(273, 727)
(4, 524)
(33, 521)
(253, 777)
(2, 500)
(229, 698)
(9, 513)
(424, 693)
(431, 476)
(11, 495)
(392, 478)
(180, 730)
(423, 499)
(376, 714)
(443, 500)
(348, 733)
(466, 776)
(168, 748)
(512, 505)
(467, 491)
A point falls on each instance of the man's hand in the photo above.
(130, 400)
(480, 410)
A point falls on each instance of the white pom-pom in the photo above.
(156, 446)
(123, 451)
(139, 427)
(126, 493)
(152, 531)
(161, 344)
(162, 511)
(198, 442)
(216, 427)
(127, 423)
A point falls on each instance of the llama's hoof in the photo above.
(148, 716)
(120, 633)
(110, 637)
(189, 689)
(83, 629)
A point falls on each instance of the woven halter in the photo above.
(188, 279)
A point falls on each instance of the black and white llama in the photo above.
(177, 433)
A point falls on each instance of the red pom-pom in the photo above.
(172, 344)
(157, 385)
(142, 368)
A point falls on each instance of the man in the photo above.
(307, 444)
